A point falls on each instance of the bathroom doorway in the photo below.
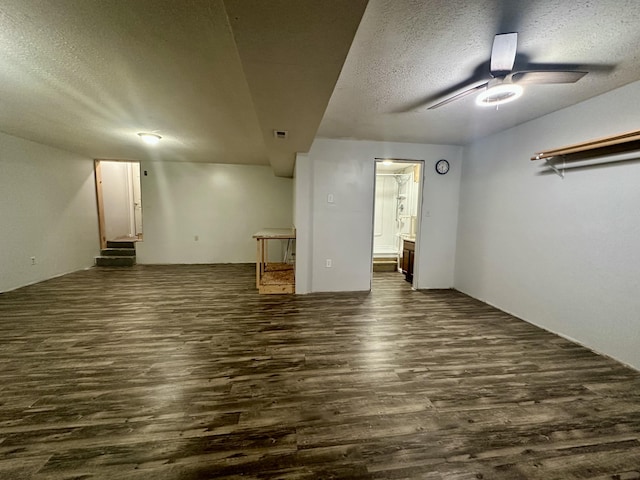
(396, 228)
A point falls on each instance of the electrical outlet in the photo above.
(330, 198)
(33, 260)
(327, 263)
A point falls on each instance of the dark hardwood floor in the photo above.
(185, 372)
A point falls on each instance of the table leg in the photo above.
(259, 262)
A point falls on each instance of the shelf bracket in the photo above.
(553, 167)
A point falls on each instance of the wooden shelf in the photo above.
(625, 142)
(277, 278)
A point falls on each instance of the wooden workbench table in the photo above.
(273, 277)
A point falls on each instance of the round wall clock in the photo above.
(442, 166)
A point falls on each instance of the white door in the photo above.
(137, 199)
(119, 200)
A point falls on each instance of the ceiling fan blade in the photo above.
(546, 76)
(503, 53)
(459, 95)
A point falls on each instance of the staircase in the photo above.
(117, 254)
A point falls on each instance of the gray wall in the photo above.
(47, 211)
(343, 230)
(222, 205)
(563, 254)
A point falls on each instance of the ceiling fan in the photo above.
(505, 85)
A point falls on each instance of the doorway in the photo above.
(119, 198)
(396, 225)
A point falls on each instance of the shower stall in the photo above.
(396, 206)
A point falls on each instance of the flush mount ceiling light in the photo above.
(499, 94)
(387, 162)
(149, 138)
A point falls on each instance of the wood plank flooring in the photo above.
(185, 372)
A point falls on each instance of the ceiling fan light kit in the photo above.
(499, 94)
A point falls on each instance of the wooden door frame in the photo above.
(421, 181)
(100, 204)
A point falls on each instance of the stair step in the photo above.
(112, 261)
(120, 244)
(118, 252)
(390, 265)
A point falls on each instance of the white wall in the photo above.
(560, 253)
(47, 210)
(342, 231)
(118, 206)
(303, 188)
(223, 205)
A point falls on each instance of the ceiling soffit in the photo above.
(292, 52)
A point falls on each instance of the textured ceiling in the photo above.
(407, 53)
(213, 78)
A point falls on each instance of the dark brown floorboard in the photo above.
(185, 372)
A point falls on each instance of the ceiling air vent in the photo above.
(281, 134)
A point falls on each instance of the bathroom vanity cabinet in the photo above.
(408, 252)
